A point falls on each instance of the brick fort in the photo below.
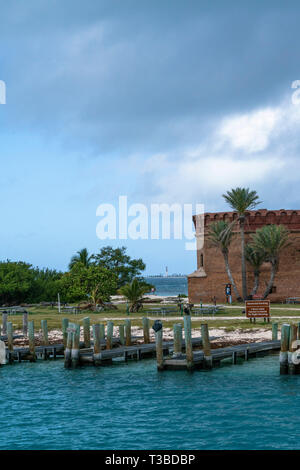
(210, 278)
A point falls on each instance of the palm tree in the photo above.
(271, 239)
(95, 297)
(134, 292)
(256, 259)
(82, 257)
(242, 200)
(220, 236)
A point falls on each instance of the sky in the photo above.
(163, 102)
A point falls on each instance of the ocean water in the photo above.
(171, 286)
(132, 406)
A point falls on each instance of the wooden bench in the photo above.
(13, 310)
(162, 311)
(71, 309)
(207, 310)
(292, 300)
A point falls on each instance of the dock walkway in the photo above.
(242, 350)
(137, 351)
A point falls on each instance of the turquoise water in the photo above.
(169, 285)
(132, 406)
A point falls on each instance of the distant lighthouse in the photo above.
(167, 272)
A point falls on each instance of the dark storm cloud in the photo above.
(142, 75)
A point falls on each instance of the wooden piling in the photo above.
(25, 323)
(159, 349)
(109, 335)
(65, 324)
(4, 323)
(283, 358)
(75, 347)
(188, 342)
(274, 331)
(2, 353)
(146, 330)
(128, 332)
(10, 341)
(97, 344)
(68, 349)
(102, 331)
(177, 329)
(292, 348)
(44, 325)
(234, 357)
(122, 334)
(206, 346)
(87, 332)
(31, 341)
(96, 336)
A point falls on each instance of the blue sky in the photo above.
(161, 101)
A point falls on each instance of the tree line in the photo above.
(90, 276)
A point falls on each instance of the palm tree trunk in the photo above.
(271, 281)
(230, 276)
(244, 277)
(256, 283)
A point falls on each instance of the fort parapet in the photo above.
(257, 219)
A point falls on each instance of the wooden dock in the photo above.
(244, 351)
(208, 357)
(136, 352)
(51, 351)
(104, 348)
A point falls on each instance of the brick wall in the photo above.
(209, 280)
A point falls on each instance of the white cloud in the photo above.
(206, 176)
(250, 132)
(251, 149)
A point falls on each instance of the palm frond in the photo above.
(242, 200)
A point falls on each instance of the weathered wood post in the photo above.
(102, 331)
(97, 344)
(109, 335)
(75, 347)
(146, 330)
(188, 342)
(157, 327)
(274, 331)
(234, 357)
(10, 341)
(292, 348)
(128, 332)
(4, 323)
(68, 347)
(177, 329)
(68, 350)
(44, 326)
(206, 346)
(25, 323)
(283, 358)
(31, 341)
(65, 324)
(87, 332)
(122, 334)
(2, 353)
(96, 335)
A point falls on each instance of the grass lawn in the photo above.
(54, 319)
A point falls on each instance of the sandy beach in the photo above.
(223, 337)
